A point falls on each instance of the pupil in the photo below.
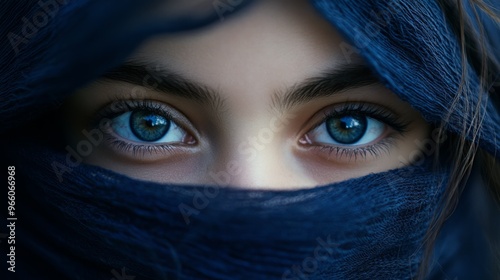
(347, 129)
(148, 126)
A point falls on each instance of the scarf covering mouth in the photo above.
(95, 221)
(96, 224)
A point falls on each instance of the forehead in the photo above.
(268, 45)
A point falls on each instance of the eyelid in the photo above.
(396, 124)
(375, 111)
(118, 107)
(148, 152)
(342, 153)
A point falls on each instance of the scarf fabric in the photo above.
(96, 224)
(158, 231)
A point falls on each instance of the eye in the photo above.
(353, 130)
(147, 126)
(348, 130)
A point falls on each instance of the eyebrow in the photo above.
(330, 82)
(162, 80)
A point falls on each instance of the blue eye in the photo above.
(147, 126)
(348, 129)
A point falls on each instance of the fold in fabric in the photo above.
(95, 221)
(409, 45)
(96, 224)
(81, 40)
(414, 52)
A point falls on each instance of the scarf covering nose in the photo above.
(96, 221)
(96, 224)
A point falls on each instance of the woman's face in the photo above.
(271, 98)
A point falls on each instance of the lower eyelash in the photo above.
(138, 149)
(131, 148)
(342, 152)
(384, 145)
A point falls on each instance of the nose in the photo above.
(263, 161)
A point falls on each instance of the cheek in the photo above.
(260, 154)
(258, 161)
(176, 169)
(412, 148)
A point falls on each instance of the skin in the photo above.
(249, 60)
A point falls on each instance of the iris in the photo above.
(148, 126)
(347, 129)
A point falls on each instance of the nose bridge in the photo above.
(262, 162)
(246, 152)
(259, 158)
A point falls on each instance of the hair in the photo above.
(475, 56)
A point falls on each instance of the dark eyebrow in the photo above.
(339, 79)
(160, 79)
(342, 78)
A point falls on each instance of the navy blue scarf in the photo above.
(96, 224)
(99, 220)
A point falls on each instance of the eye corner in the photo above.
(372, 129)
(146, 127)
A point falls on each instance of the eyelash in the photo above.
(365, 109)
(140, 149)
(341, 152)
(120, 106)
